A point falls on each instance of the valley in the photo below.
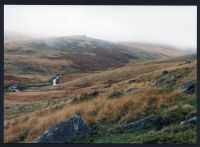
(107, 84)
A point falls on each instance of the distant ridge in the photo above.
(78, 53)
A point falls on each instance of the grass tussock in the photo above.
(121, 110)
(152, 100)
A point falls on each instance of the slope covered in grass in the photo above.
(165, 103)
(71, 54)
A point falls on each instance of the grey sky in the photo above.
(172, 25)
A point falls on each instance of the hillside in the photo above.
(137, 97)
(108, 85)
(161, 50)
(72, 54)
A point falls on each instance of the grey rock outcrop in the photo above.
(189, 87)
(66, 131)
(139, 124)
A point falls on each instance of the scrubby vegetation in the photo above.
(165, 102)
(107, 84)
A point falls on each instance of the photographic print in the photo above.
(100, 74)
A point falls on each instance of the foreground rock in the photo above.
(192, 120)
(66, 131)
(139, 124)
(189, 87)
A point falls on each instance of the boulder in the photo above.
(66, 131)
(192, 120)
(113, 94)
(139, 124)
(189, 87)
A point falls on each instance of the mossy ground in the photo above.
(171, 133)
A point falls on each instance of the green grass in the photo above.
(188, 99)
(24, 86)
(170, 114)
(173, 134)
(169, 86)
(29, 85)
(21, 109)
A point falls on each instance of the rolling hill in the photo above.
(109, 85)
(72, 54)
(30, 112)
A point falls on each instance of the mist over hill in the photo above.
(100, 74)
(110, 85)
(70, 54)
